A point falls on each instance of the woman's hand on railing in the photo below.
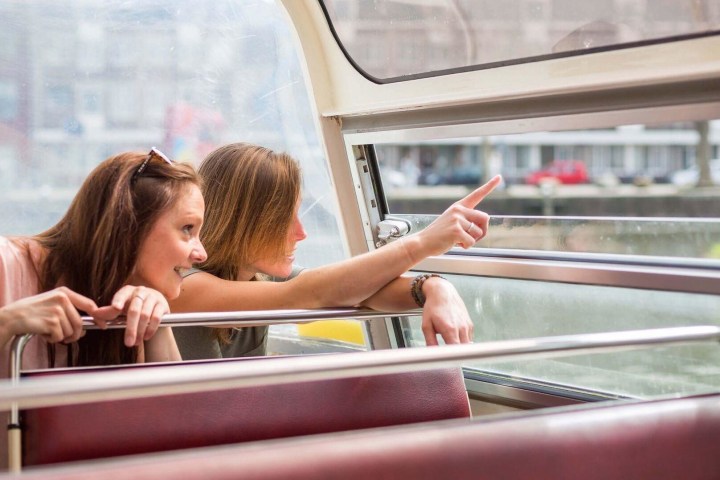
(143, 308)
(53, 314)
(444, 313)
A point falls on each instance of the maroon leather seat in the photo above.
(124, 427)
(659, 440)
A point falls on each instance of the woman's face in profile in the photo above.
(172, 246)
(282, 267)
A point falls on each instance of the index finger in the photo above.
(80, 302)
(480, 193)
(121, 297)
(102, 315)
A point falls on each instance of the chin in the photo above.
(278, 269)
(279, 272)
(283, 272)
(171, 292)
(172, 295)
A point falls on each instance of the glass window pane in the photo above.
(8, 100)
(607, 202)
(595, 199)
(80, 81)
(634, 238)
(393, 38)
(505, 309)
(601, 162)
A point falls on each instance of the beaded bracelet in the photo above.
(416, 288)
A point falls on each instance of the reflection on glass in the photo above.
(504, 309)
(394, 38)
(651, 170)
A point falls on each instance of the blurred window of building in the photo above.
(80, 81)
(8, 100)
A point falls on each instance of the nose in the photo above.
(299, 230)
(198, 254)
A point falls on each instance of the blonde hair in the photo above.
(250, 196)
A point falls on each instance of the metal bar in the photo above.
(250, 318)
(13, 432)
(687, 280)
(522, 114)
(419, 126)
(208, 319)
(256, 318)
(187, 378)
(16, 350)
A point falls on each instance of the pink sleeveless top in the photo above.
(18, 279)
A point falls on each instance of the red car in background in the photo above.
(567, 172)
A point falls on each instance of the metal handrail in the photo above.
(245, 318)
(250, 318)
(187, 378)
(257, 318)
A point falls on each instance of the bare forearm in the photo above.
(395, 296)
(162, 347)
(357, 279)
(6, 333)
(350, 282)
(353, 281)
(444, 312)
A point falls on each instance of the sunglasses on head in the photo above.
(154, 152)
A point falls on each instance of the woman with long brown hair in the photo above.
(251, 229)
(128, 236)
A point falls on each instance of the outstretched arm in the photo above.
(345, 283)
(444, 312)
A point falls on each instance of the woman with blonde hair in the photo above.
(121, 249)
(251, 230)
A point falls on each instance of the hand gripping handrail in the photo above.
(251, 318)
(246, 318)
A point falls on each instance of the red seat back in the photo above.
(123, 427)
(661, 440)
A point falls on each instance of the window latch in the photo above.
(391, 229)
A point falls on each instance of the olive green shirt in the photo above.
(198, 343)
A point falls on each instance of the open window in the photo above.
(608, 218)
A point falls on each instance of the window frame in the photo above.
(596, 87)
(490, 65)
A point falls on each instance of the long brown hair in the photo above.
(94, 247)
(250, 196)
